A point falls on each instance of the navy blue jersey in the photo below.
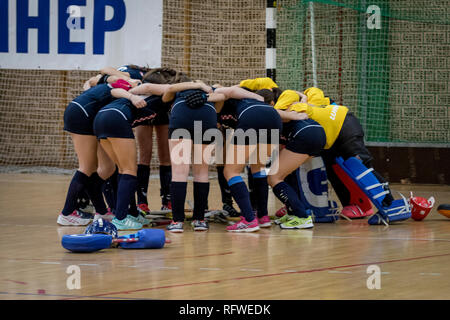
(134, 73)
(184, 117)
(93, 99)
(127, 109)
(233, 109)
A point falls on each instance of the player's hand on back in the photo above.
(138, 102)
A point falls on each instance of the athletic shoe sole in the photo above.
(303, 226)
(245, 230)
(128, 229)
(266, 225)
(201, 229)
(176, 231)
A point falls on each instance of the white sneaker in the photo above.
(76, 218)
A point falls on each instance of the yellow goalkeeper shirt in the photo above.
(330, 117)
(258, 84)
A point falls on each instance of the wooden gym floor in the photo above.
(327, 262)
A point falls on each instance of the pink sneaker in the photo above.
(264, 222)
(244, 226)
(107, 216)
(281, 212)
(354, 211)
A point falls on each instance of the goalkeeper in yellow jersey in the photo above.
(344, 138)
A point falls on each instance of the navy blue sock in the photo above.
(251, 189)
(109, 189)
(83, 199)
(240, 194)
(132, 209)
(178, 196)
(261, 191)
(78, 183)
(286, 194)
(143, 176)
(165, 176)
(201, 192)
(224, 188)
(125, 191)
(94, 191)
(292, 180)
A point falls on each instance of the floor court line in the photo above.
(15, 281)
(269, 275)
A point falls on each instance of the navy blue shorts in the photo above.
(112, 123)
(262, 120)
(77, 120)
(183, 117)
(162, 118)
(307, 137)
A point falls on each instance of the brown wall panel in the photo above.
(412, 165)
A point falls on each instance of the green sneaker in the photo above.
(283, 219)
(140, 219)
(129, 223)
(297, 223)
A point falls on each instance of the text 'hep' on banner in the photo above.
(79, 34)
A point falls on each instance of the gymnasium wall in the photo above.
(216, 41)
(403, 95)
(396, 79)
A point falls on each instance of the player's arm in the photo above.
(137, 101)
(218, 99)
(291, 115)
(114, 72)
(171, 91)
(91, 82)
(238, 93)
(150, 89)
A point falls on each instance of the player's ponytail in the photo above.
(267, 94)
(276, 94)
(165, 76)
(142, 69)
(181, 77)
